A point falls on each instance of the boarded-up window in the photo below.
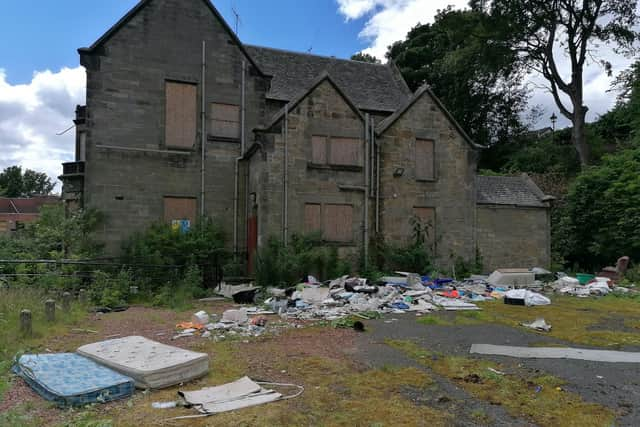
(425, 159)
(338, 223)
(427, 217)
(319, 150)
(224, 120)
(179, 208)
(312, 218)
(345, 152)
(180, 115)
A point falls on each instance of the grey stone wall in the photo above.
(513, 237)
(322, 112)
(452, 193)
(126, 102)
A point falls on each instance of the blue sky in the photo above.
(41, 80)
(46, 33)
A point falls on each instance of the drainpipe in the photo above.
(285, 204)
(376, 146)
(367, 190)
(236, 189)
(203, 130)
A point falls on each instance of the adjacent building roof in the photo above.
(373, 87)
(510, 190)
(32, 205)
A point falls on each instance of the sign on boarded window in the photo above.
(224, 120)
(338, 223)
(345, 152)
(319, 150)
(425, 163)
(427, 217)
(180, 209)
(180, 115)
(312, 218)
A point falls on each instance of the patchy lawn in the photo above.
(612, 322)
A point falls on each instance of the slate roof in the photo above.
(509, 190)
(20, 205)
(371, 86)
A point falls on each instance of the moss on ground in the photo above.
(540, 398)
(572, 319)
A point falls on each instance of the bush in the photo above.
(415, 257)
(603, 212)
(280, 265)
(108, 291)
(179, 296)
(160, 245)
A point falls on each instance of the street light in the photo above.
(554, 119)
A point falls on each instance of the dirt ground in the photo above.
(350, 378)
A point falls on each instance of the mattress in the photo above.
(72, 380)
(151, 364)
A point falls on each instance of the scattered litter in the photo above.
(517, 277)
(235, 316)
(557, 353)
(539, 325)
(84, 331)
(240, 394)
(69, 379)
(495, 371)
(164, 405)
(527, 297)
(200, 318)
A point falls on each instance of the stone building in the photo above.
(183, 120)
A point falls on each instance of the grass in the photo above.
(337, 391)
(539, 398)
(572, 319)
(12, 342)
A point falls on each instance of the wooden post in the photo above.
(25, 323)
(66, 302)
(50, 310)
(82, 296)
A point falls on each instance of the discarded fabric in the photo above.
(539, 325)
(242, 393)
(530, 298)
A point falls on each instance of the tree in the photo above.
(477, 79)
(542, 31)
(365, 57)
(15, 183)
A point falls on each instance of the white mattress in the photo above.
(151, 364)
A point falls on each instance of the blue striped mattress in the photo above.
(69, 379)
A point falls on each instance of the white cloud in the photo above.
(32, 114)
(390, 20)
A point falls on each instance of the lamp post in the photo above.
(554, 119)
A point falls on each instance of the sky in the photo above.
(41, 80)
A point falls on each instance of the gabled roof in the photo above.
(324, 76)
(20, 205)
(510, 190)
(137, 8)
(384, 125)
(373, 87)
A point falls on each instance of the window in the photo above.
(338, 223)
(180, 115)
(319, 150)
(312, 218)
(345, 152)
(224, 120)
(180, 210)
(425, 161)
(427, 217)
(336, 151)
